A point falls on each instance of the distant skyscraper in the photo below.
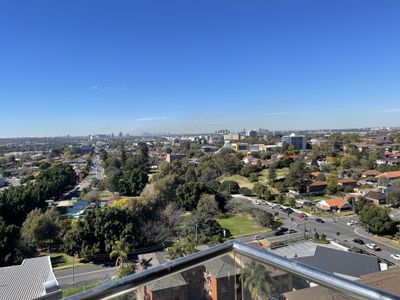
(297, 141)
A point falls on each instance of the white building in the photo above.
(297, 141)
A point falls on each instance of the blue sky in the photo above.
(102, 66)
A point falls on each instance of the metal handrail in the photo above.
(134, 281)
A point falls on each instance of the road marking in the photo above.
(91, 272)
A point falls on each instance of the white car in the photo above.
(349, 223)
(373, 247)
(395, 256)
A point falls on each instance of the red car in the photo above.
(303, 216)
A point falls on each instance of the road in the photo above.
(330, 227)
(84, 275)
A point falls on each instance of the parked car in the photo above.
(356, 250)
(302, 216)
(319, 220)
(373, 247)
(283, 229)
(351, 222)
(292, 231)
(359, 241)
(257, 237)
(278, 232)
(395, 256)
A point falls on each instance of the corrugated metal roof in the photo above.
(25, 281)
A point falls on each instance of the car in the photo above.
(319, 220)
(257, 237)
(278, 232)
(302, 216)
(359, 241)
(351, 222)
(292, 231)
(356, 250)
(283, 229)
(395, 256)
(373, 247)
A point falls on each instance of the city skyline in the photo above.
(87, 67)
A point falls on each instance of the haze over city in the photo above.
(82, 67)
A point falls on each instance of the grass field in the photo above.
(280, 173)
(240, 225)
(73, 291)
(105, 194)
(61, 261)
(241, 180)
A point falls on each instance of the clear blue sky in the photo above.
(102, 66)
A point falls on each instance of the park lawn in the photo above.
(61, 261)
(104, 195)
(280, 173)
(72, 291)
(240, 225)
(241, 180)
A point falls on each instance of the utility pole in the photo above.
(196, 232)
(73, 268)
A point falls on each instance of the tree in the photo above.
(188, 195)
(13, 249)
(332, 186)
(376, 219)
(298, 176)
(201, 227)
(43, 227)
(259, 282)
(180, 249)
(280, 199)
(394, 198)
(245, 191)
(272, 173)
(262, 217)
(120, 253)
(229, 186)
(207, 204)
(133, 182)
(292, 202)
(262, 191)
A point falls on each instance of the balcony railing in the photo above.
(241, 259)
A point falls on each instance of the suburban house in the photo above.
(388, 161)
(172, 157)
(317, 187)
(333, 205)
(345, 182)
(389, 175)
(370, 174)
(390, 189)
(32, 279)
(376, 197)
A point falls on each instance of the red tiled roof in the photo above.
(371, 173)
(390, 175)
(336, 202)
(347, 180)
(315, 174)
